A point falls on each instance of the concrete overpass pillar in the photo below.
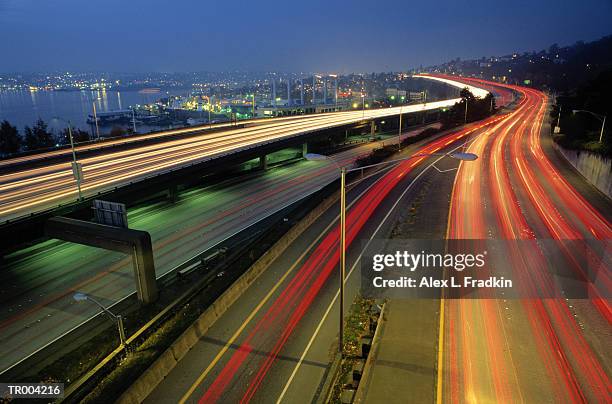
(263, 162)
(304, 149)
(372, 127)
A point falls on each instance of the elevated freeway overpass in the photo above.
(29, 185)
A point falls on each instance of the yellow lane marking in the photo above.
(231, 341)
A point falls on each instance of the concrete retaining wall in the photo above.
(147, 382)
(595, 168)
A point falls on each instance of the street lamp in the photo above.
(77, 168)
(79, 297)
(602, 118)
(343, 171)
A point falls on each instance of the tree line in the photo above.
(36, 137)
(581, 130)
(477, 109)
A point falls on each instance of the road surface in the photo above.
(275, 343)
(527, 350)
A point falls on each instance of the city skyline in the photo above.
(334, 37)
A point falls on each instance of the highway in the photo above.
(527, 350)
(275, 342)
(36, 283)
(25, 191)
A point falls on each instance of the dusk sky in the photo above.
(359, 36)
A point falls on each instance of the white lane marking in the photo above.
(327, 311)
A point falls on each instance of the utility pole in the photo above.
(342, 255)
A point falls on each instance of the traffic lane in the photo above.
(558, 379)
(587, 364)
(479, 359)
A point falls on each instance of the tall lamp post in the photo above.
(79, 297)
(77, 168)
(343, 172)
(602, 119)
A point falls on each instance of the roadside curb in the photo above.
(367, 368)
